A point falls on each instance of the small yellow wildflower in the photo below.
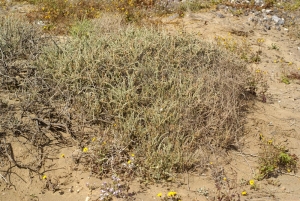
(290, 63)
(85, 149)
(159, 194)
(62, 155)
(251, 182)
(129, 161)
(224, 178)
(132, 155)
(244, 193)
(94, 139)
(261, 136)
(289, 170)
(44, 177)
(270, 141)
(172, 194)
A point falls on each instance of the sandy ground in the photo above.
(278, 118)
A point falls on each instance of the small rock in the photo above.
(277, 20)
(278, 28)
(268, 27)
(257, 13)
(259, 2)
(220, 15)
(40, 23)
(268, 11)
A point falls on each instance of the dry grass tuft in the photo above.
(139, 102)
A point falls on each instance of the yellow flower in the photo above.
(94, 139)
(172, 194)
(62, 155)
(132, 155)
(244, 193)
(289, 170)
(159, 194)
(44, 177)
(129, 161)
(290, 63)
(270, 141)
(85, 149)
(251, 182)
(224, 178)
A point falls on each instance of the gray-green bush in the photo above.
(156, 103)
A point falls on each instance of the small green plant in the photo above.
(274, 159)
(273, 47)
(285, 80)
(255, 57)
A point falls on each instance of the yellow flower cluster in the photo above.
(172, 194)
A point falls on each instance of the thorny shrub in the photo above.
(141, 102)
